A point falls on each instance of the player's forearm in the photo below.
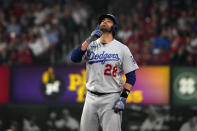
(126, 90)
(84, 46)
(77, 54)
(130, 81)
(128, 86)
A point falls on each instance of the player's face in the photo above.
(106, 25)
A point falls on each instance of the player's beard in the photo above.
(105, 28)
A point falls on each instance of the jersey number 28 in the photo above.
(108, 70)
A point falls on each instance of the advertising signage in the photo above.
(68, 85)
(48, 84)
(4, 84)
(184, 86)
(152, 85)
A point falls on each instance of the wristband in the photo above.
(125, 93)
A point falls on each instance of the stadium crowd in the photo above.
(45, 31)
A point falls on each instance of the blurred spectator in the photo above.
(136, 36)
(177, 41)
(68, 22)
(183, 21)
(189, 125)
(38, 45)
(80, 14)
(40, 13)
(51, 122)
(1, 125)
(63, 123)
(13, 27)
(22, 57)
(4, 54)
(70, 122)
(192, 46)
(30, 124)
(124, 33)
(50, 29)
(13, 127)
(152, 122)
(179, 57)
(161, 42)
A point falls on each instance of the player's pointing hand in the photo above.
(94, 35)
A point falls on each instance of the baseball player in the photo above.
(106, 60)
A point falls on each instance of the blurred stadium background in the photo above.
(42, 90)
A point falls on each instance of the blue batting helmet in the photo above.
(113, 18)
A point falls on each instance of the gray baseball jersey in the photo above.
(105, 64)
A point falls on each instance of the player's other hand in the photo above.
(94, 35)
(120, 105)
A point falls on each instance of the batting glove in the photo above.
(94, 35)
(120, 105)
